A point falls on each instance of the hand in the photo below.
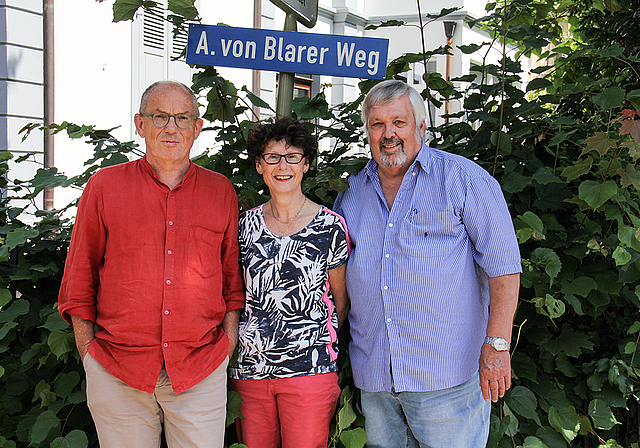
(232, 347)
(495, 372)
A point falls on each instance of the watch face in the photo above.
(501, 344)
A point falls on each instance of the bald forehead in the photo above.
(157, 91)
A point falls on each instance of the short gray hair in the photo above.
(388, 92)
(144, 100)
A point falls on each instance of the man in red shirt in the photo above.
(152, 285)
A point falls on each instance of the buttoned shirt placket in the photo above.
(169, 269)
(393, 217)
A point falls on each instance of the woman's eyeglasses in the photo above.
(292, 158)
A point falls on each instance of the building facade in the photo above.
(101, 67)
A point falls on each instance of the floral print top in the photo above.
(289, 325)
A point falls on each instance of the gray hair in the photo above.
(159, 84)
(388, 92)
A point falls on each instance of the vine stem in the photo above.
(502, 89)
(424, 62)
(635, 350)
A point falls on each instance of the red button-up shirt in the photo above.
(156, 270)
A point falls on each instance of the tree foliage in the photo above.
(563, 141)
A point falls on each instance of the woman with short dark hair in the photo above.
(293, 254)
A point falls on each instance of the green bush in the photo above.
(564, 149)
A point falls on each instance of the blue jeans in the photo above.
(456, 417)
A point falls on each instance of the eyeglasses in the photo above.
(292, 158)
(161, 119)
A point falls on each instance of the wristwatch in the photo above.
(499, 344)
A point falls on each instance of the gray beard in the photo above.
(394, 160)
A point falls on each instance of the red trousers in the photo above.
(287, 412)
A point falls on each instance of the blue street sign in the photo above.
(287, 51)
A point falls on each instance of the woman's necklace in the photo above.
(289, 222)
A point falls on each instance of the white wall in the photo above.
(92, 79)
(94, 58)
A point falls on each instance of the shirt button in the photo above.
(385, 287)
(165, 345)
(389, 319)
(166, 311)
(168, 282)
(390, 224)
(169, 251)
(170, 223)
(386, 255)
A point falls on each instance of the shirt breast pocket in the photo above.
(204, 251)
(428, 234)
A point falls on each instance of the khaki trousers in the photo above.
(129, 418)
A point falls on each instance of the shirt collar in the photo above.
(147, 167)
(422, 161)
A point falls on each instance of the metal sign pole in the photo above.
(286, 80)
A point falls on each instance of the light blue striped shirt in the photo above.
(417, 274)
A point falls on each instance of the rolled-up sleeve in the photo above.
(79, 286)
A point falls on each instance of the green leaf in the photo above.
(471, 48)
(563, 364)
(629, 237)
(621, 256)
(554, 307)
(6, 328)
(5, 297)
(575, 303)
(65, 383)
(220, 106)
(634, 328)
(125, 9)
(569, 342)
(550, 437)
(45, 422)
(75, 439)
(20, 236)
(61, 342)
(514, 425)
(580, 286)
(610, 98)
(538, 83)
(565, 421)
(353, 438)
(595, 193)
(514, 182)
(524, 367)
(629, 348)
(576, 170)
(55, 322)
(523, 402)
(234, 400)
(256, 100)
(548, 259)
(599, 143)
(184, 8)
(19, 307)
(602, 415)
(503, 141)
(629, 176)
(533, 221)
(346, 414)
(544, 176)
(533, 442)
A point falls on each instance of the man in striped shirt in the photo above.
(433, 279)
